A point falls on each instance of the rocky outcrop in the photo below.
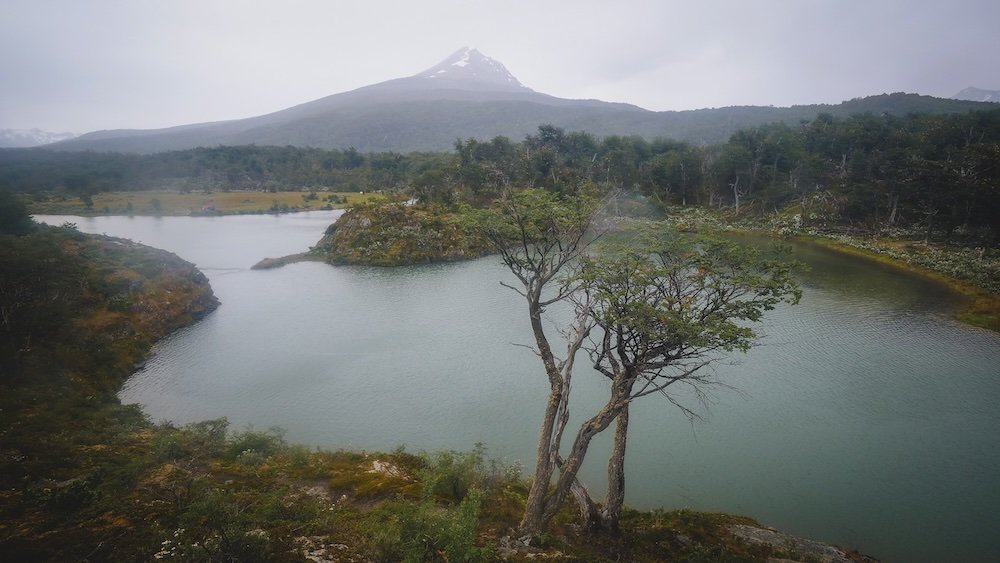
(799, 549)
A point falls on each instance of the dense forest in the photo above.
(936, 173)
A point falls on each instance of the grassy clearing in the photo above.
(166, 203)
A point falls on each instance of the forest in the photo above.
(935, 173)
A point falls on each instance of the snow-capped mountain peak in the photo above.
(978, 95)
(10, 138)
(468, 65)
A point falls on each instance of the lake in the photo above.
(866, 417)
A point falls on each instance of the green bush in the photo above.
(220, 526)
(450, 475)
(196, 440)
(248, 444)
(413, 532)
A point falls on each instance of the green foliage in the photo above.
(220, 525)
(536, 232)
(252, 447)
(41, 289)
(192, 441)
(667, 303)
(250, 167)
(386, 233)
(450, 475)
(14, 217)
(867, 162)
(414, 532)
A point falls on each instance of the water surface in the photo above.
(866, 417)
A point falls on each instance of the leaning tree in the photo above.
(540, 237)
(651, 315)
(664, 309)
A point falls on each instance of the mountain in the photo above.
(471, 95)
(11, 138)
(978, 95)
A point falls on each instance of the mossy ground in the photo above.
(137, 492)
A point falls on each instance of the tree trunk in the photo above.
(736, 193)
(569, 469)
(533, 521)
(589, 511)
(616, 475)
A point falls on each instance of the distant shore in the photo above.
(169, 203)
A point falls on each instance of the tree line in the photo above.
(938, 173)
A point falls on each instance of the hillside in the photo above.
(469, 95)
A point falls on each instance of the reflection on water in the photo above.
(866, 417)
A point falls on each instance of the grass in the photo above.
(167, 203)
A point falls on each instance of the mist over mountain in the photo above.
(978, 95)
(23, 138)
(470, 95)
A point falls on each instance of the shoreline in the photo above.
(980, 297)
(168, 203)
(980, 307)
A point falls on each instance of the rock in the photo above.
(808, 550)
(386, 468)
(270, 263)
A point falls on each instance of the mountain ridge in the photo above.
(24, 138)
(978, 95)
(470, 95)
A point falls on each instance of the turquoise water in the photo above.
(866, 417)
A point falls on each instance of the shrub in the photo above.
(399, 531)
(196, 440)
(249, 444)
(450, 475)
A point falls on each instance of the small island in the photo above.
(391, 233)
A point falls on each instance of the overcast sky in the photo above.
(84, 65)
